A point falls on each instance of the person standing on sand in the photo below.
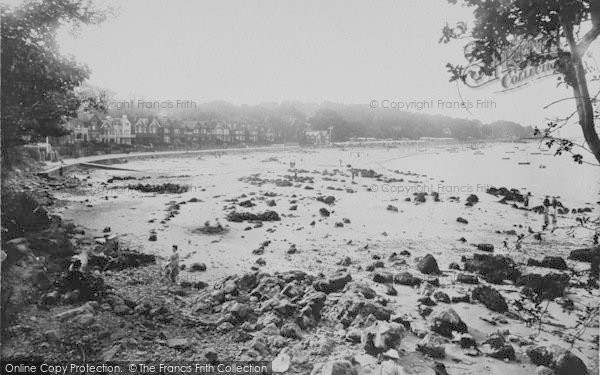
(173, 265)
(554, 204)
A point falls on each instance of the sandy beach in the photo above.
(370, 218)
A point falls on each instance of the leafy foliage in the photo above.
(37, 81)
(502, 27)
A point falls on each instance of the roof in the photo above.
(189, 124)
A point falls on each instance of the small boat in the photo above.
(542, 166)
(535, 153)
(505, 158)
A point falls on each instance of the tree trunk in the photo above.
(585, 111)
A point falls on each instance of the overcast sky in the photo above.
(253, 51)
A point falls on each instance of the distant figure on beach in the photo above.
(526, 201)
(546, 219)
(172, 267)
(555, 203)
(353, 174)
(546, 202)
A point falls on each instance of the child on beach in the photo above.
(172, 267)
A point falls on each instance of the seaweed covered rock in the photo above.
(554, 262)
(490, 297)
(330, 199)
(239, 217)
(585, 255)
(332, 284)
(493, 268)
(561, 360)
(497, 347)
(507, 194)
(118, 261)
(349, 308)
(445, 321)
(548, 286)
(487, 247)
(167, 188)
(406, 278)
(432, 345)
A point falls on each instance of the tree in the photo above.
(500, 24)
(38, 83)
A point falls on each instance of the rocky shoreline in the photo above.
(354, 320)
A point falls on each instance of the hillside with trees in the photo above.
(347, 120)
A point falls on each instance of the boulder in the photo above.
(565, 362)
(348, 308)
(332, 284)
(445, 321)
(505, 352)
(487, 247)
(291, 330)
(197, 267)
(490, 297)
(390, 290)
(338, 367)
(540, 355)
(381, 337)
(432, 345)
(465, 278)
(383, 277)
(441, 297)
(497, 347)
(361, 289)
(493, 268)
(557, 263)
(406, 278)
(428, 265)
(549, 286)
(585, 255)
(454, 266)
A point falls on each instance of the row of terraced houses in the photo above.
(162, 130)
